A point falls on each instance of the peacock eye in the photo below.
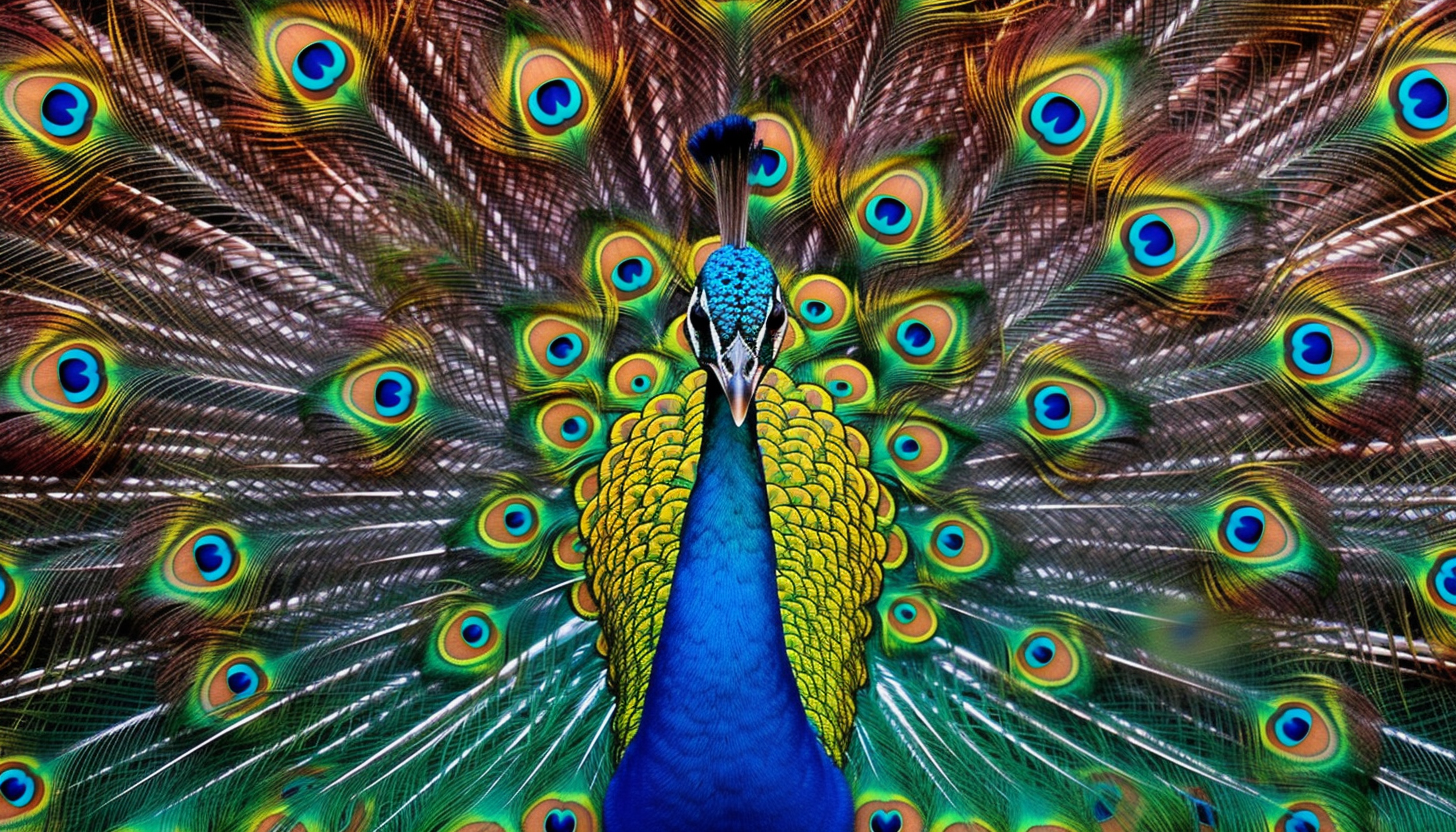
(206, 560)
(1062, 407)
(1157, 241)
(1298, 729)
(1060, 115)
(9, 593)
(559, 347)
(72, 377)
(1305, 817)
(60, 109)
(848, 382)
(629, 265)
(1421, 98)
(918, 448)
(921, 334)
(22, 790)
(1106, 798)
(910, 619)
(317, 63)
(552, 93)
(1047, 659)
(510, 523)
(554, 815)
(772, 169)
(387, 394)
(958, 546)
(235, 680)
(1320, 350)
(889, 816)
(892, 210)
(469, 637)
(822, 303)
(636, 376)
(1253, 530)
(1441, 581)
(567, 425)
(777, 317)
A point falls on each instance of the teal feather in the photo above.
(1061, 442)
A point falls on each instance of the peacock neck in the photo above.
(724, 742)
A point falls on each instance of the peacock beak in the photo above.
(739, 372)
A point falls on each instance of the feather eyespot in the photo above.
(911, 619)
(553, 815)
(958, 546)
(822, 303)
(921, 334)
(59, 109)
(9, 593)
(235, 686)
(206, 560)
(567, 425)
(1061, 115)
(628, 265)
(892, 815)
(1062, 407)
(891, 212)
(1306, 817)
(918, 448)
(637, 377)
(849, 382)
(510, 523)
(553, 96)
(1251, 530)
(1421, 98)
(1047, 659)
(1157, 241)
(1440, 582)
(777, 161)
(559, 347)
(1298, 729)
(316, 63)
(70, 377)
(385, 395)
(22, 789)
(469, 638)
(1323, 349)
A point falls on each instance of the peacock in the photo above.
(828, 415)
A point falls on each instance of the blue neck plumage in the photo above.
(724, 742)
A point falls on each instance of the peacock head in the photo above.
(737, 321)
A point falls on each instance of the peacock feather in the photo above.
(883, 415)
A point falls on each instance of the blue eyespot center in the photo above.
(1058, 119)
(393, 394)
(560, 820)
(905, 612)
(80, 375)
(555, 102)
(1424, 100)
(573, 428)
(768, 169)
(888, 215)
(1104, 806)
(242, 680)
(632, 273)
(475, 631)
(319, 65)
(1445, 580)
(1040, 651)
(915, 338)
(839, 388)
(63, 110)
(1245, 528)
(1302, 821)
(886, 821)
(1152, 241)
(907, 448)
(214, 557)
(1052, 407)
(17, 787)
(564, 349)
(950, 540)
(1293, 726)
(816, 311)
(519, 520)
(641, 383)
(1313, 348)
